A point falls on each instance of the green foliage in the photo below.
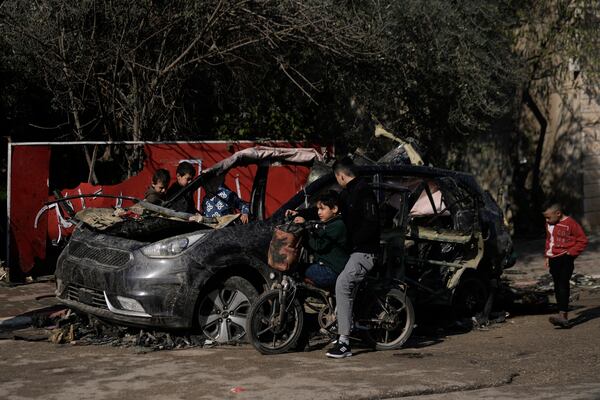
(452, 70)
(317, 70)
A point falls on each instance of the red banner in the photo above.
(29, 174)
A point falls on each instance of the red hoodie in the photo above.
(565, 237)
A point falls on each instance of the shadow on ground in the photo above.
(585, 316)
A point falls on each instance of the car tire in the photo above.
(470, 296)
(224, 309)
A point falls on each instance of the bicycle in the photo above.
(383, 313)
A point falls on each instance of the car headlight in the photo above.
(171, 247)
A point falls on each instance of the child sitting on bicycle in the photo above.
(327, 242)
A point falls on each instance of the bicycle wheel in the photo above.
(391, 318)
(266, 332)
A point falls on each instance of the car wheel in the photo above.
(470, 296)
(223, 312)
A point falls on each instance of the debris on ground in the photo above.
(67, 327)
(587, 281)
(533, 298)
(30, 334)
(514, 272)
(413, 355)
(85, 330)
(537, 294)
(545, 283)
(527, 297)
(480, 322)
(3, 272)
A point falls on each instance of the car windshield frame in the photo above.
(467, 181)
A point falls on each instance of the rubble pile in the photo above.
(480, 322)
(531, 299)
(545, 284)
(77, 329)
(586, 281)
(536, 296)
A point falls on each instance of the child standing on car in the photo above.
(327, 243)
(156, 192)
(565, 240)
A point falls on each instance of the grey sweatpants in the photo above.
(358, 265)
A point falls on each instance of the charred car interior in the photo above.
(444, 236)
(443, 233)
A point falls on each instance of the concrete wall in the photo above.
(503, 160)
(570, 163)
(590, 113)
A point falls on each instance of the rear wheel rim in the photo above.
(394, 319)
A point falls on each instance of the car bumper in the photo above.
(138, 291)
(129, 320)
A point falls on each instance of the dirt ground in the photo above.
(523, 357)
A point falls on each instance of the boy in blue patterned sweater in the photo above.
(225, 202)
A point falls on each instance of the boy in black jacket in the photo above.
(360, 213)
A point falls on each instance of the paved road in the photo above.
(524, 354)
(546, 392)
(523, 358)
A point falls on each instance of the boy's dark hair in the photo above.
(185, 168)
(161, 175)
(345, 166)
(554, 206)
(330, 199)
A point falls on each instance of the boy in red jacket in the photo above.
(565, 240)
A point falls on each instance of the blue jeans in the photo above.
(321, 275)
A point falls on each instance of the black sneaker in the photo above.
(339, 350)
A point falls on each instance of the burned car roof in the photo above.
(253, 155)
(170, 221)
(466, 179)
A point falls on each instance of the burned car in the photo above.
(166, 272)
(444, 235)
(163, 270)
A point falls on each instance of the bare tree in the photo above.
(157, 70)
(119, 69)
